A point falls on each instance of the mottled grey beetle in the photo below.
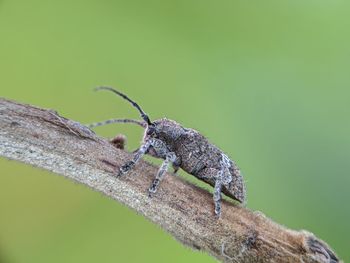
(183, 148)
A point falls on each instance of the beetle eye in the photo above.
(150, 130)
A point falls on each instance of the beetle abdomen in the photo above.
(196, 152)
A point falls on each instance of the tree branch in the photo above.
(42, 138)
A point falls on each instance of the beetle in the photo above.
(184, 148)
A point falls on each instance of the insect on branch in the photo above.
(44, 139)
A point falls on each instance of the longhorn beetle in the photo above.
(183, 148)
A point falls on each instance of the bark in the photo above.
(44, 139)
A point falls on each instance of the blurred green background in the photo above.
(266, 81)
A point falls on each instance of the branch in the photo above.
(42, 138)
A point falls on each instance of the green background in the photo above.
(266, 81)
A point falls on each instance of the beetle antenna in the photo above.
(102, 123)
(144, 116)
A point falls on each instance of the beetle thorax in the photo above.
(165, 130)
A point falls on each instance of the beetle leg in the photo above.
(170, 158)
(137, 156)
(223, 178)
(214, 177)
(176, 165)
(176, 168)
(217, 178)
(217, 196)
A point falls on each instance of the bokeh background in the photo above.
(266, 81)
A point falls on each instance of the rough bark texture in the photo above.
(42, 138)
